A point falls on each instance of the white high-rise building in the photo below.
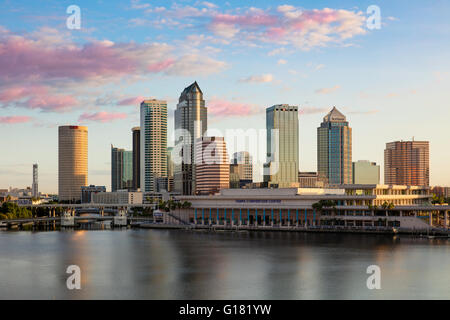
(153, 150)
(35, 185)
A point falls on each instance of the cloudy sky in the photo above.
(392, 83)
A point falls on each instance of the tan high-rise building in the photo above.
(407, 163)
(211, 165)
(153, 143)
(72, 162)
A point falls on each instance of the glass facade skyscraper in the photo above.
(334, 149)
(121, 169)
(153, 143)
(190, 124)
(136, 157)
(282, 146)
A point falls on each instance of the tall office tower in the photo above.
(212, 165)
(366, 172)
(241, 169)
(190, 124)
(334, 149)
(407, 163)
(170, 169)
(282, 146)
(35, 185)
(136, 158)
(121, 169)
(153, 143)
(72, 162)
(127, 173)
(116, 168)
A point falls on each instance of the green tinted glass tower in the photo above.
(334, 149)
(282, 165)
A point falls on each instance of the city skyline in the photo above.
(375, 77)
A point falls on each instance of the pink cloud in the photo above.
(276, 32)
(101, 116)
(131, 101)
(303, 29)
(48, 56)
(24, 58)
(15, 119)
(223, 108)
(37, 97)
(160, 66)
(246, 20)
(59, 103)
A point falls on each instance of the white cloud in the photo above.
(209, 4)
(265, 78)
(328, 90)
(195, 64)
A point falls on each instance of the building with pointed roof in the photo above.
(334, 149)
(190, 124)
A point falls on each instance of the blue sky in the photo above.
(391, 83)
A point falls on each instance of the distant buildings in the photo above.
(441, 192)
(211, 165)
(35, 185)
(121, 169)
(153, 149)
(88, 191)
(334, 149)
(366, 172)
(282, 165)
(136, 157)
(241, 169)
(72, 162)
(190, 124)
(118, 197)
(311, 180)
(407, 163)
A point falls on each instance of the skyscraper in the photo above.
(121, 169)
(241, 169)
(136, 157)
(366, 172)
(190, 124)
(35, 185)
(334, 148)
(170, 169)
(72, 162)
(407, 163)
(282, 146)
(153, 143)
(212, 165)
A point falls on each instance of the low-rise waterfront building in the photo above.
(348, 206)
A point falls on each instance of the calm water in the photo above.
(160, 264)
